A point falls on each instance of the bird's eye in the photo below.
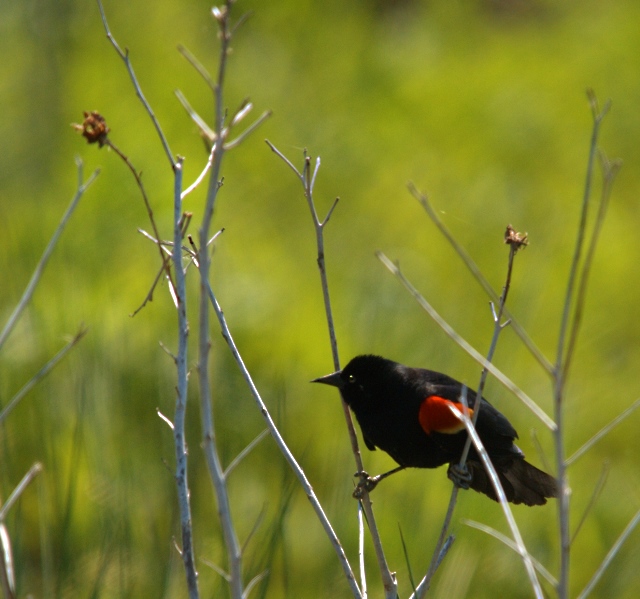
(351, 379)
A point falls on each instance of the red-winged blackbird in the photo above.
(404, 412)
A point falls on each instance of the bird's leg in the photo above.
(459, 476)
(369, 483)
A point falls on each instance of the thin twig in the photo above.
(165, 419)
(609, 557)
(361, 555)
(569, 325)
(7, 567)
(592, 501)
(164, 245)
(197, 65)
(509, 543)
(282, 446)
(38, 376)
(248, 131)
(307, 179)
(254, 581)
(217, 569)
(166, 263)
(202, 175)
(124, 55)
(7, 563)
(441, 548)
(205, 131)
(609, 171)
(37, 273)
(497, 329)
(223, 17)
(602, 432)
(21, 486)
(598, 116)
(244, 453)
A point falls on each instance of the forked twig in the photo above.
(307, 179)
(166, 266)
(569, 326)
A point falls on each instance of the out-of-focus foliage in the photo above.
(481, 103)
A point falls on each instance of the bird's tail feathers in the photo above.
(521, 482)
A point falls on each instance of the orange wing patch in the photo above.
(435, 415)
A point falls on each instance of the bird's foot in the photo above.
(459, 476)
(367, 483)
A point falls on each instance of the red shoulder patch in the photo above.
(435, 415)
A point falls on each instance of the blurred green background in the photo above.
(482, 104)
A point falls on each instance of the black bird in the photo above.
(405, 412)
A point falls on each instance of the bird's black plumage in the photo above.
(404, 412)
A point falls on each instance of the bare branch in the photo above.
(197, 65)
(125, 58)
(610, 170)
(285, 160)
(17, 492)
(515, 241)
(207, 132)
(202, 175)
(282, 446)
(36, 378)
(244, 453)
(163, 257)
(597, 490)
(307, 180)
(602, 432)
(569, 326)
(182, 482)
(609, 557)
(238, 140)
(509, 543)
(37, 273)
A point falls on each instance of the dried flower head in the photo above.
(94, 128)
(515, 239)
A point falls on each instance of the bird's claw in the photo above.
(367, 483)
(460, 476)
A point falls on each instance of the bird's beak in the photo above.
(333, 379)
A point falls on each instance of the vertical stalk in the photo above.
(234, 552)
(182, 481)
(564, 354)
